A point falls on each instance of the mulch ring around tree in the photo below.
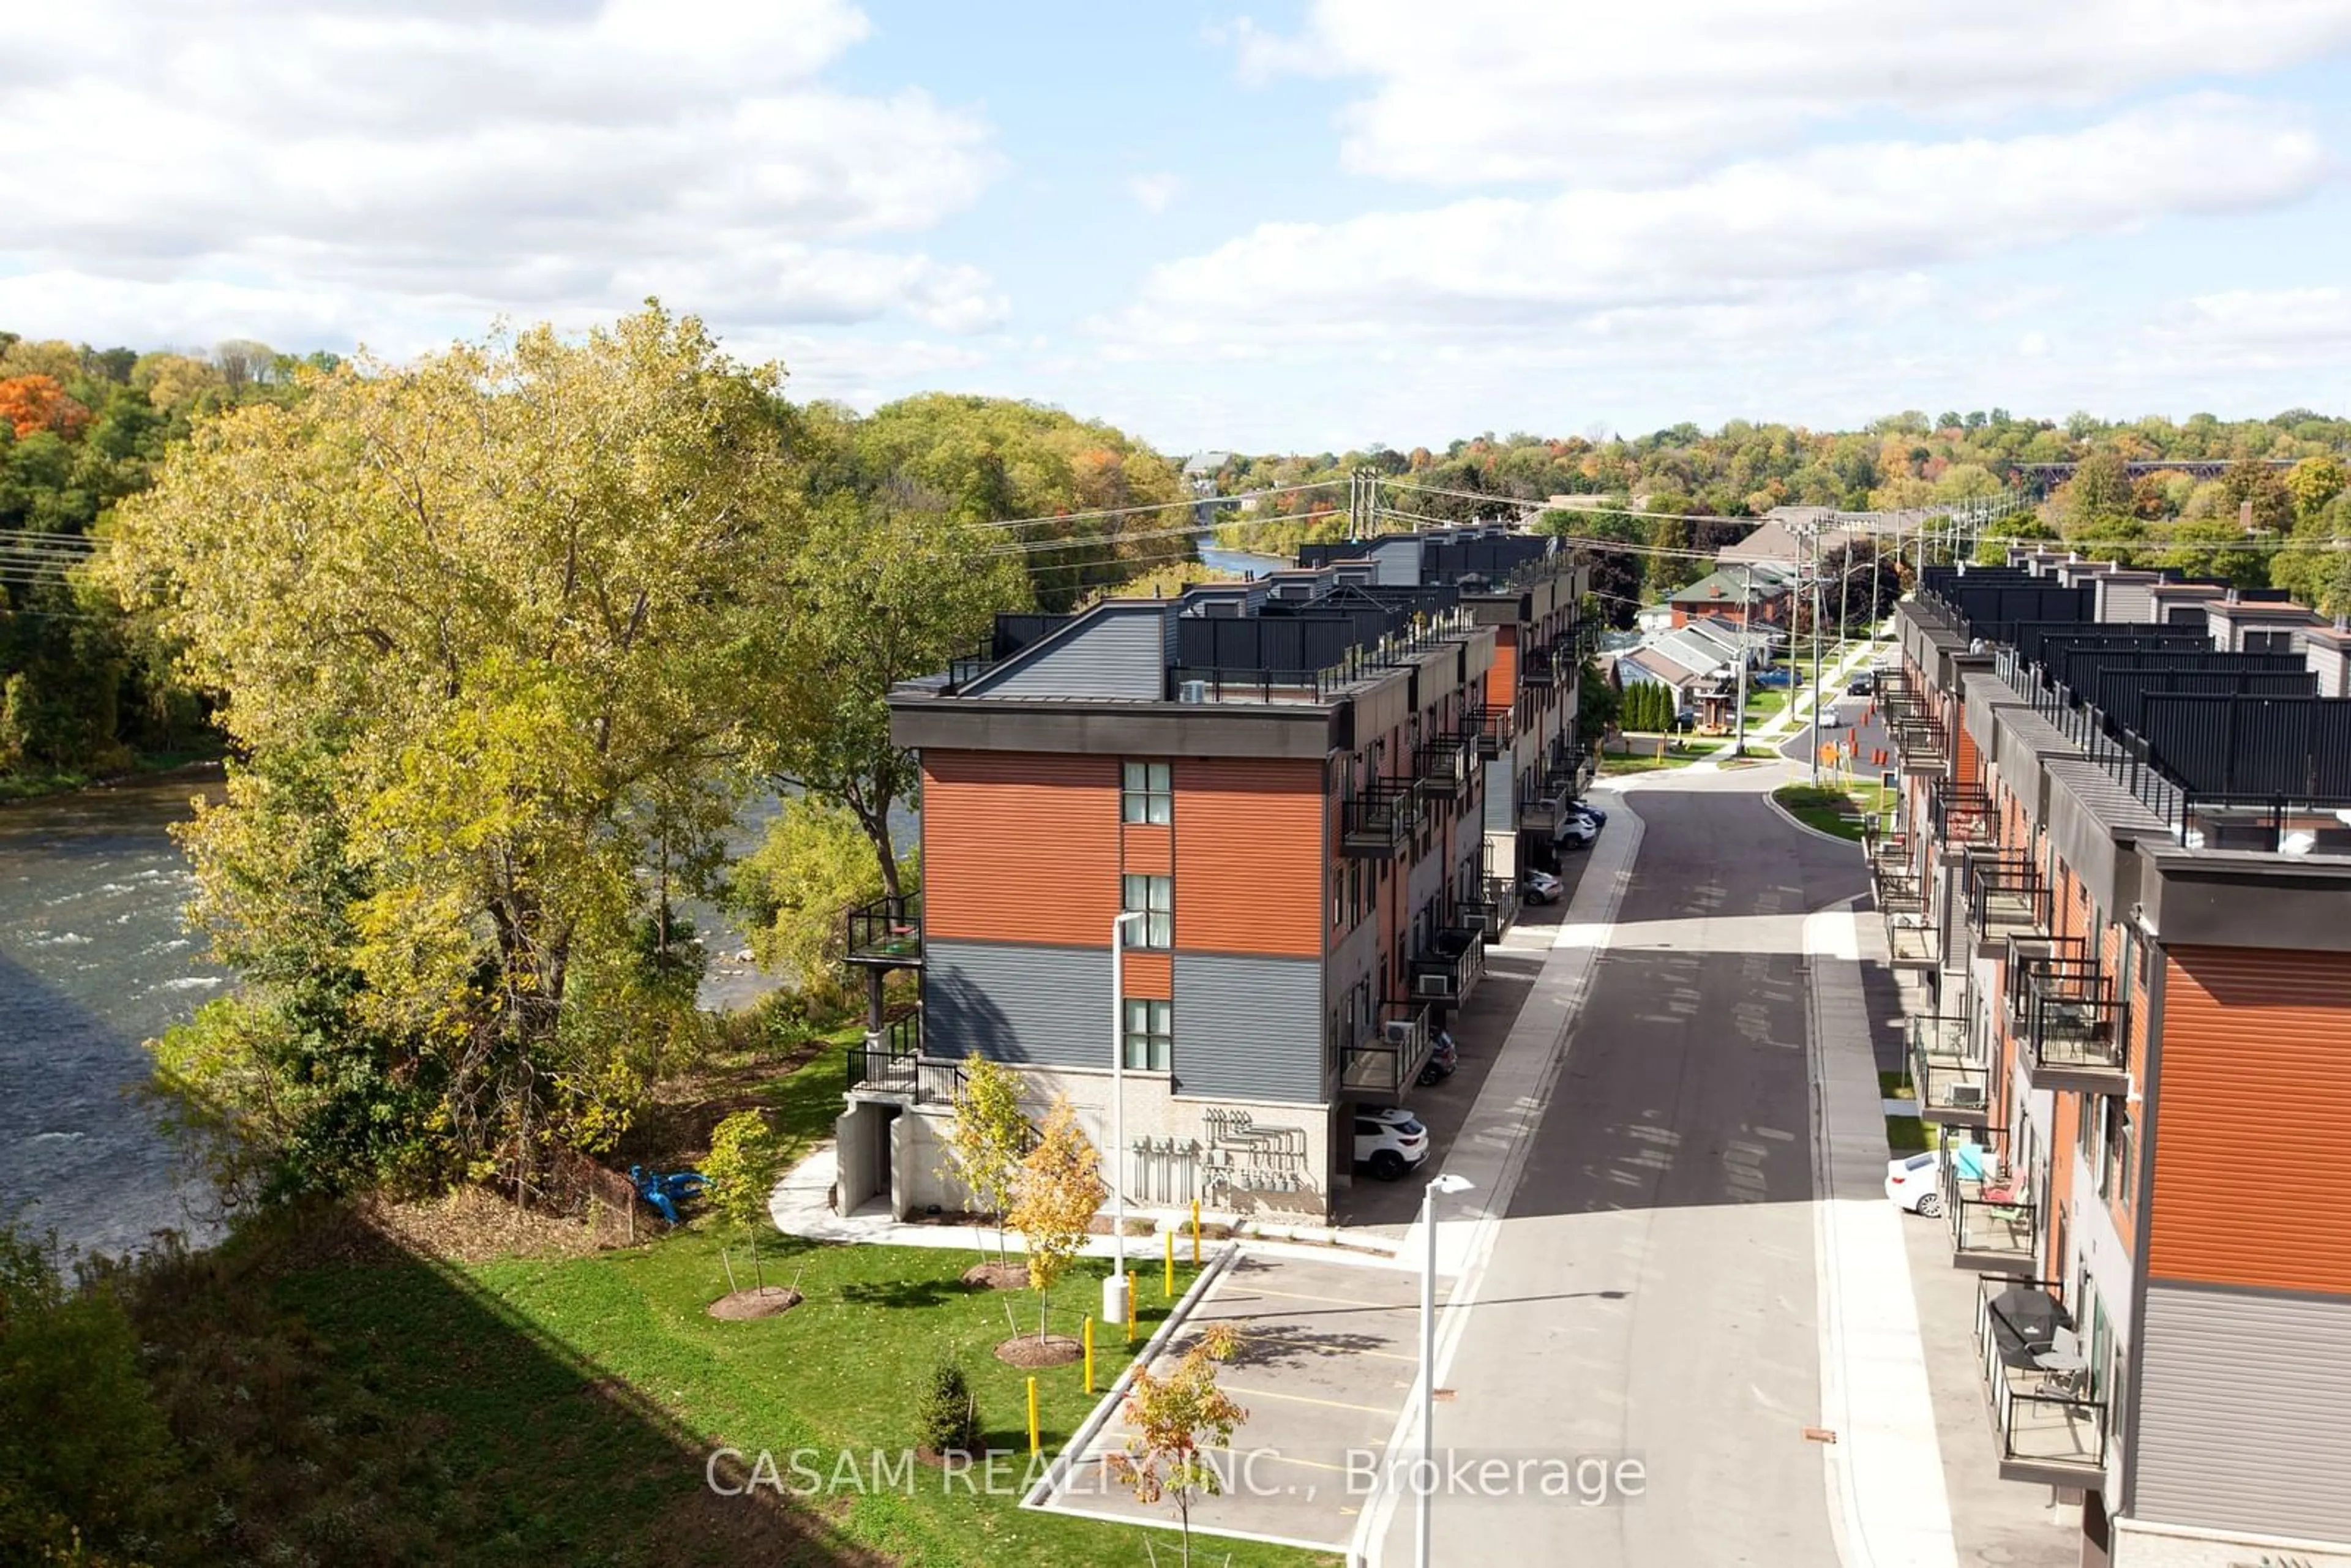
(997, 1276)
(766, 1302)
(1028, 1350)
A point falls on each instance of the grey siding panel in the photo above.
(1501, 796)
(1248, 1028)
(2241, 1420)
(1398, 561)
(1049, 1007)
(1118, 653)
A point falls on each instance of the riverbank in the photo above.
(192, 762)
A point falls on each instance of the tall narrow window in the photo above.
(1150, 1035)
(1155, 897)
(1146, 793)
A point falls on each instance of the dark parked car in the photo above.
(1443, 1058)
(1862, 686)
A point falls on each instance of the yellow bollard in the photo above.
(1130, 1306)
(1036, 1444)
(1167, 1284)
(1090, 1355)
(1195, 1233)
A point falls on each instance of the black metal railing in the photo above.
(1450, 968)
(893, 1063)
(1500, 904)
(887, 932)
(2075, 1029)
(1391, 1051)
(1962, 813)
(1953, 1083)
(1490, 731)
(2006, 897)
(1538, 664)
(1989, 1205)
(2043, 1391)
(1379, 823)
(1440, 769)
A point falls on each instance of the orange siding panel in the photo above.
(1248, 856)
(1502, 674)
(1020, 846)
(2255, 1093)
(1149, 975)
(1149, 849)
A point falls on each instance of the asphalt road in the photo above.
(1652, 1295)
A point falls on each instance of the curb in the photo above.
(1058, 1471)
(1803, 827)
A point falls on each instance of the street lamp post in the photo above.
(1425, 1478)
(1113, 1297)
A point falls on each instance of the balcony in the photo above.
(892, 1064)
(887, 932)
(2074, 1028)
(1954, 1086)
(1441, 769)
(1988, 1207)
(2006, 897)
(2043, 1393)
(1912, 944)
(1538, 664)
(1388, 1059)
(1962, 813)
(1450, 970)
(1490, 731)
(1500, 909)
(1380, 823)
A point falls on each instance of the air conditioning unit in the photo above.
(1192, 692)
(1968, 1096)
(1432, 985)
(1398, 1032)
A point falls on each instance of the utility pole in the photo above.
(1745, 651)
(1816, 652)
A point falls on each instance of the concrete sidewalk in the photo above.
(1833, 674)
(1887, 1500)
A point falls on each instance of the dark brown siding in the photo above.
(1248, 856)
(2249, 1112)
(1020, 847)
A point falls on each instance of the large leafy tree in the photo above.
(881, 593)
(520, 586)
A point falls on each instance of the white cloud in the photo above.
(1598, 93)
(1505, 267)
(1155, 192)
(447, 161)
(2258, 328)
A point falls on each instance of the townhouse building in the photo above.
(1315, 791)
(2120, 879)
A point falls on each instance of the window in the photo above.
(1155, 897)
(1146, 793)
(1150, 1035)
(2269, 642)
(2119, 1154)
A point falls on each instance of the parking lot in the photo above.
(1387, 1208)
(1328, 1357)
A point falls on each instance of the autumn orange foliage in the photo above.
(39, 403)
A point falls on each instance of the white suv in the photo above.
(1389, 1139)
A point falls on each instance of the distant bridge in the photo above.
(2044, 476)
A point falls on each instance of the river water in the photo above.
(94, 962)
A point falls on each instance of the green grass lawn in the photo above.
(1835, 809)
(516, 1360)
(1681, 754)
(1905, 1135)
(340, 1398)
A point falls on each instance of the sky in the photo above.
(1305, 227)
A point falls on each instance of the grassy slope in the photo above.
(579, 1398)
